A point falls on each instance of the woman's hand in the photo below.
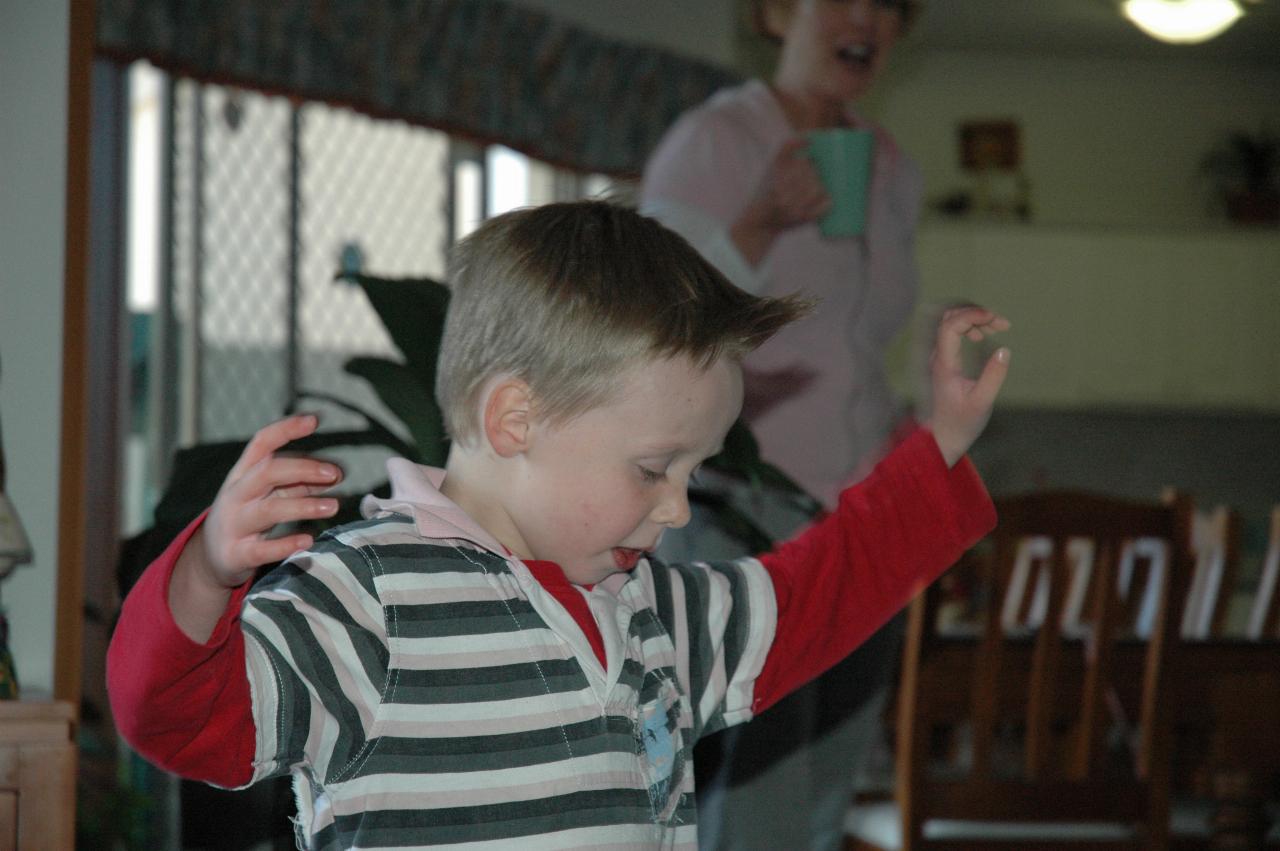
(789, 194)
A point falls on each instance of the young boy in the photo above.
(493, 658)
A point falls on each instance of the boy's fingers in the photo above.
(966, 322)
(298, 490)
(993, 325)
(946, 351)
(264, 515)
(963, 317)
(272, 437)
(277, 549)
(993, 375)
(285, 473)
(282, 475)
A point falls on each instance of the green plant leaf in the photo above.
(413, 311)
(377, 434)
(1245, 161)
(402, 392)
(733, 522)
(740, 458)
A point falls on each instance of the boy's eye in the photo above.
(651, 476)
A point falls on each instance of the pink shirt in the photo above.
(707, 167)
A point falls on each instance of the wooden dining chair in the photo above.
(1034, 738)
(1215, 546)
(1215, 549)
(1264, 614)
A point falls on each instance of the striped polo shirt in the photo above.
(424, 689)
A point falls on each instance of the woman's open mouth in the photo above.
(857, 56)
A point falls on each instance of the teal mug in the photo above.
(842, 158)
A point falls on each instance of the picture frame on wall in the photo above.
(990, 145)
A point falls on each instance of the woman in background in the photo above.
(733, 177)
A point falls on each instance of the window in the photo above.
(241, 210)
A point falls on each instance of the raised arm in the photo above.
(844, 577)
(263, 489)
(893, 533)
(176, 664)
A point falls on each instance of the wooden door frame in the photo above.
(73, 476)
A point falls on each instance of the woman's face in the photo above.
(833, 49)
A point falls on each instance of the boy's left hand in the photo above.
(961, 405)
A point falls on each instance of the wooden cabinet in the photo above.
(37, 776)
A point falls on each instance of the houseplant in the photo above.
(1245, 170)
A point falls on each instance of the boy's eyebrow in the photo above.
(668, 448)
(665, 449)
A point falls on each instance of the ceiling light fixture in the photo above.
(1182, 21)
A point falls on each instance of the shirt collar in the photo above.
(415, 492)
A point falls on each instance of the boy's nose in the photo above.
(672, 509)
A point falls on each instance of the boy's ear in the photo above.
(507, 417)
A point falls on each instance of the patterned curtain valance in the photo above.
(480, 68)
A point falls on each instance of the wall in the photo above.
(1120, 318)
(1105, 141)
(1128, 287)
(33, 66)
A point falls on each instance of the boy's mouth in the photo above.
(627, 558)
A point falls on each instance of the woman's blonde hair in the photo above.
(567, 296)
(908, 11)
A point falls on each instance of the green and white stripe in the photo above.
(428, 692)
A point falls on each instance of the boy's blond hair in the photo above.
(566, 296)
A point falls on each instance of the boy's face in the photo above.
(595, 494)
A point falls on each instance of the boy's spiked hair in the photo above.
(567, 296)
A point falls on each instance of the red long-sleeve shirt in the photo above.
(186, 706)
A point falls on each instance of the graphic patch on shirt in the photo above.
(661, 747)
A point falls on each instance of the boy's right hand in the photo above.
(263, 489)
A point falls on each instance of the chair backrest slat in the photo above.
(1044, 670)
(1105, 613)
(1264, 615)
